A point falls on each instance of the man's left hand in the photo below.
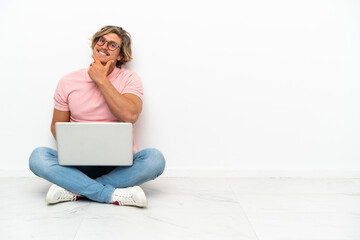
(98, 72)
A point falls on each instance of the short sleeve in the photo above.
(134, 86)
(60, 98)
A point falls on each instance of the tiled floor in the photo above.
(191, 208)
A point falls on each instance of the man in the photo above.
(103, 92)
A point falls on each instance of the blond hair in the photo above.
(125, 48)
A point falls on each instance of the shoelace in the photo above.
(66, 195)
(124, 199)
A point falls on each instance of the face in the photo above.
(104, 53)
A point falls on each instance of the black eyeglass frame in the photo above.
(108, 43)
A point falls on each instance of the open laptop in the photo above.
(94, 144)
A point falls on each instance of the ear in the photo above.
(119, 57)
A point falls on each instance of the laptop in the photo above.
(94, 144)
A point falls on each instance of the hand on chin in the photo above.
(103, 59)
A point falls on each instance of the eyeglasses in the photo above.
(111, 44)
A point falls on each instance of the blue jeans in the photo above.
(97, 182)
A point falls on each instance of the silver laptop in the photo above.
(94, 144)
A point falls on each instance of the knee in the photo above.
(156, 160)
(38, 157)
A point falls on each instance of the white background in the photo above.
(231, 87)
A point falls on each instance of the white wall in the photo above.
(253, 87)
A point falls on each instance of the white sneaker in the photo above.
(131, 196)
(58, 194)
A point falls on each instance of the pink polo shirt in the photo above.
(77, 93)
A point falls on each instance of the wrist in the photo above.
(103, 82)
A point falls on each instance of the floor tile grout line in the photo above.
(82, 220)
(242, 208)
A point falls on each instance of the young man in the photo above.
(103, 92)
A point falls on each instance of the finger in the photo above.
(107, 66)
(96, 59)
(91, 68)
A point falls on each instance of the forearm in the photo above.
(53, 131)
(121, 107)
(59, 116)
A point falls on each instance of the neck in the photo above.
(111, 68)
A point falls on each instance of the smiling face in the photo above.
(121, 36)
(104, 53)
